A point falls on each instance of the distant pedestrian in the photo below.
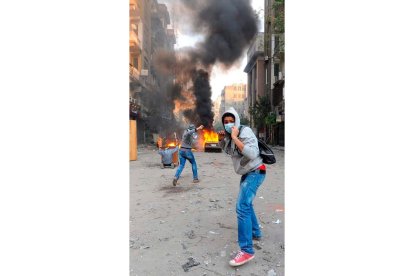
(185, 153)
(167, 157)
(244, 151)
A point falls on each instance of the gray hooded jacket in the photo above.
(247, 160)
(187, 139)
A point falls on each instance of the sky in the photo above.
(220, 78)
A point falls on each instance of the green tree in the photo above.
(259, 111)
(279, 16)
(244, 120)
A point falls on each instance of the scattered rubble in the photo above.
(257, 246)
(190, 263)
(271, 273)
(190, 234)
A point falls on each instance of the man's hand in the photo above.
(234, 132)
(200, 127)
(221, 134)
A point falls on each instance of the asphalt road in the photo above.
(169, 225)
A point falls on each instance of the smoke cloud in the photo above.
(228, 27)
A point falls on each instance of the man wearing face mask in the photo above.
(243, 149)
(185, 153)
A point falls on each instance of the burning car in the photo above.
(211, 140)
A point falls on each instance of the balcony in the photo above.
(133, 73)
(280, 44)
(134, 41)
(134, 13)
(255, 51)
(256, 47)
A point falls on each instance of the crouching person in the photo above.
(167, 157)
(243, 149)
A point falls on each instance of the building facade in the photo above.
(274, 55)
(234, 96)
(136, 37)
(255, 70)
(150, 33)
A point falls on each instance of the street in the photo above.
(191, 229)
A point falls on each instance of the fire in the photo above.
(187, 103)
(172, 144)
(210, 136)
(166, 143)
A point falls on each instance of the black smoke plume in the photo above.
(228, 27)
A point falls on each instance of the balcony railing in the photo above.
(133, 73)
(280, 44)
(134, 13)
(257, 46)
(133, 39)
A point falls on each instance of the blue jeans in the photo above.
(248, 225)
(184, 155)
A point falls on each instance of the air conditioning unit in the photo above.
(266, 58)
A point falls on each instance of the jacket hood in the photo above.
(232, 111)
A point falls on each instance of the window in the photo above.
(276, 70)
(135, 62)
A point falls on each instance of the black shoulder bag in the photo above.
(265, 151)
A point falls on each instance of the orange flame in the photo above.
(172, 144)
(209, 136)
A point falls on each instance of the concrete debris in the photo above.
(190, 263)
(190, 234)
(133, 243)
(258, 247)
(271, 273)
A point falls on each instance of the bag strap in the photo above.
(241, 127)
(240, 130)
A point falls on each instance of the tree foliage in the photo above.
(260, 110)
(244, 120)
(279, 16)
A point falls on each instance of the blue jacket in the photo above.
(167, 155)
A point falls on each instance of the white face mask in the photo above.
(228, 127)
